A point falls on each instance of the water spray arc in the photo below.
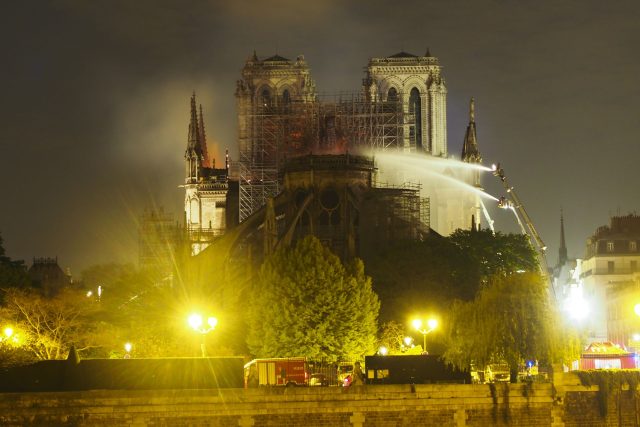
(487, 217)
(438, 168)
(418, 164)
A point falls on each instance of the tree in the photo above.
(430, 274)
(496, 253)
(511, 319)
(307, 303)
(12, 273)
(424, 275)
(47, 327)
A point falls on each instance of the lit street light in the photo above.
(419, 326)
(9, 336)
(127, 349)
(8, 332)
(197, 324)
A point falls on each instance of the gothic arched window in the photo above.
(265, 97)
(392, 95)
(286, 97)
(415, 108)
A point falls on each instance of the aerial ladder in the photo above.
(514, 204)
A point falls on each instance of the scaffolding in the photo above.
(404, 204)
(276, 129)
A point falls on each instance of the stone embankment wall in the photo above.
(565, 403)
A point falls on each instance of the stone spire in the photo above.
(193, 142)
(470, 152)
(562, 251)
(193, 155)
(202, 136)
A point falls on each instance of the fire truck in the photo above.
(285, 371)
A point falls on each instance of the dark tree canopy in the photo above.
(430, 274)
(12, 273)
(496, 253)
(306, 303)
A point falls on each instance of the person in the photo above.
(357, 375)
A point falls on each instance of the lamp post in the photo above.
(197, 324)
(419, 326)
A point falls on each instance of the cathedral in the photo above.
(399, 108)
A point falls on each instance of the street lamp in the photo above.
(419, 326)
(127, 349)
(197, 324)
(9, 336)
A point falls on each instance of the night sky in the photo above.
(95, 98)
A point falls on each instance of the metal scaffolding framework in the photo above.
(276, 129)
(406, 206)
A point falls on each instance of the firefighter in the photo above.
(357, 375)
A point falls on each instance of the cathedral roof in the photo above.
(276, 58)
(403, 54)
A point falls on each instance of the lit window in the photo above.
(633, 246)
(609, 246)
(382, 373)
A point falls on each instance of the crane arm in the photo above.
(516, 204)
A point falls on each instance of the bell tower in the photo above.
(417, 82)
(205, 187)
(265, 97)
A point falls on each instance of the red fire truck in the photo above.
(287, 371)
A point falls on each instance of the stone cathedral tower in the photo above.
(265, 96)
(415, 81)
(205, 188)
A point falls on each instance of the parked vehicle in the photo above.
(318, 380)
(345, 373)
(288, 371)
(497, 373)
(412, 369)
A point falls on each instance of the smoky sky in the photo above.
(95, 98)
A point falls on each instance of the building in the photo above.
(205, 200)
(333, 197)
(401, 107)
(46, 274)
(623, 313)
(609, 272)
